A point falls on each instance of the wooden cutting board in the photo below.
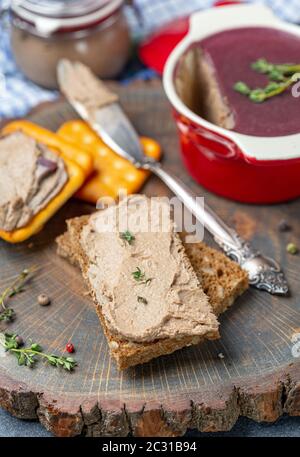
(259, 376)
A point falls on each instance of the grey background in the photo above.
(284, 427)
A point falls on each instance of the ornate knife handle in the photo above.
(226, 237)
(264, 273)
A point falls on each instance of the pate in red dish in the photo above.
(225, 58)
(237, 146)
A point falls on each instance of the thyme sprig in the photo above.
(281, 77)
(17, 286)
(260, 95)
(274, 70)
(27, 356)
(140, 276)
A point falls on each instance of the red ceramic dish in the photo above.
(252, 169)
(155, 50)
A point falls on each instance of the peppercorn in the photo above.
(19, 340)
(70, 348)
(292, 248)
(284, 226)
(43, 300)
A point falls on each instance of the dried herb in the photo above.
(127, 236)
(140, 277)
(281, 77)
(262, 94)
(28, 356)
(15, 288)
(7, 315)
(142, 300)
(242, 88)
(274, 70)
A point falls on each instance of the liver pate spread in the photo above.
(79, 84)
(167, 301)
(208, 71)
(30, 176)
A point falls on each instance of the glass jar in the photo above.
(94, 32)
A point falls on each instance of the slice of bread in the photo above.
(222, 279)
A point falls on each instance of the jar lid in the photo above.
(50, 15)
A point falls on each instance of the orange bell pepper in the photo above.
(77, 172)
(112, 172)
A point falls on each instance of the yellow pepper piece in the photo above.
(112, 172)
(79, 164)
(53, 141)
(76, 179)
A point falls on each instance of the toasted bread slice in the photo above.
(222, 279)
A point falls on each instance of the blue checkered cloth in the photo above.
(18, 95)
(154, 13)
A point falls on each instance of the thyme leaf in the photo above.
(142, 300)
(140, 277)
(270, 69)
(242, 88)
(7, 315)
(127, 236)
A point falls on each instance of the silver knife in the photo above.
(100, 109)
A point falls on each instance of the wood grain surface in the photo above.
(259, 377)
